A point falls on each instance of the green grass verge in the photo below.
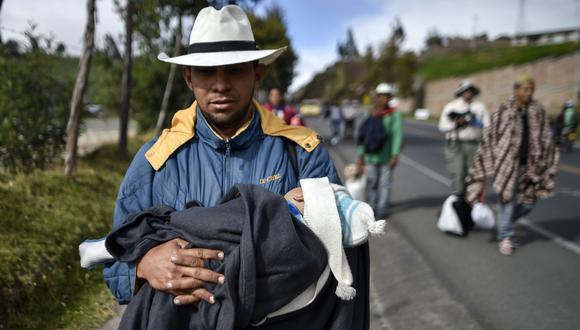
(44, 218)
(469, 62)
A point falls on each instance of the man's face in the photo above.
(275, 97)
(382, 100)
(224, 92)
(468, 95)
(524, 93)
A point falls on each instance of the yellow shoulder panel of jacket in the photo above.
(183, 129)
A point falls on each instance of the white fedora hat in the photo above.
(385, 88)
(222, 37)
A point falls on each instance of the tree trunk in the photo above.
(77, 102)
(1, 21)
(170, 80)
(126, 83)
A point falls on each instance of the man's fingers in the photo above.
(201, 274)
(195, 257)
(180, 242)
(202, 253)
(195, 297)
(186, 300)
(183, 284)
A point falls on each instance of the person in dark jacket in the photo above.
(224, 138)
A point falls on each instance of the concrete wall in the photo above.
(557, 80)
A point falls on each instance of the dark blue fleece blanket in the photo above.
(269, 260)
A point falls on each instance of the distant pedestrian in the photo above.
(350, 111)
(565, 128)
(518, 152)
(334, 113)
(462, 121)
(380, 137)
(277, 105)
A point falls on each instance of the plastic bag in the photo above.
(448, 220)
(357, 187)
(483, 216)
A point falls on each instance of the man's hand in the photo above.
(170, 268)
(360, 166)
(393, 162)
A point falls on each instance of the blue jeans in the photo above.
(379, 182)
(335, 125)
(508, 214)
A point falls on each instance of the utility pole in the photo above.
(521, 24)
(474, 38)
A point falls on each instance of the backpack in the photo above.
(372, 134)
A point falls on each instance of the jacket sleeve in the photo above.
(134, 196)
(316, 164)
(445, 124)
(396, 133)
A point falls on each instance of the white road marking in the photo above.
(560, 241)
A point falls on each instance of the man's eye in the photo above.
(205, 71)
(235, 69)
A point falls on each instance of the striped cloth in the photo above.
(499, 152)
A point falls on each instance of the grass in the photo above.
(44, 218)
(469, 62)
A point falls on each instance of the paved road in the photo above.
(99, 131)
(536, 288)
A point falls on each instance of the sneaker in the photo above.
(506, 247)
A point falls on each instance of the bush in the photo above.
(34, 104)
(44, 218)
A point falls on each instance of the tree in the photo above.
(1, 1)
(128, 14)
(348, 49)
(34, 108)
(434, 39)
(270, 32)
(170, 80)
(77, 104)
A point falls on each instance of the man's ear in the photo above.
(187, 77)
(260, 72)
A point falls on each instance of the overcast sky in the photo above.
(315, 26)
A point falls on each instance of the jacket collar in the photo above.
(183, 128)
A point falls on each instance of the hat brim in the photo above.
(266, 57)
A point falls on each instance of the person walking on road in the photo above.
(278, 107)
(334, 113)
(566, 124)
(380, 138)
(518, 151)
(462, 121)
(224, 138)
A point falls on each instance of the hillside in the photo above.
(469, 62)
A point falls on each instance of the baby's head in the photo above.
(295, 197)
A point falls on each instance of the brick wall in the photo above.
(557, 80)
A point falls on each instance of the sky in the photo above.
(316, 26)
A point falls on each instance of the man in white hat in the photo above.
(462, 120)
(223, 138)
(380, 138)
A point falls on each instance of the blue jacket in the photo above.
(190, 162)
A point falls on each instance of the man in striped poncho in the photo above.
(518, 152)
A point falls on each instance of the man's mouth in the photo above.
(222, 103)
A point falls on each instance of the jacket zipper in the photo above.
(226, 171)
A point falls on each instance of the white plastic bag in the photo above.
(448, 220)
(483, 216)
(357, 187)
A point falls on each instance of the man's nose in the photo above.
(222, 80)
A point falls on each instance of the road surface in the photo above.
(536, 288)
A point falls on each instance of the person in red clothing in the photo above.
(282, 110)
